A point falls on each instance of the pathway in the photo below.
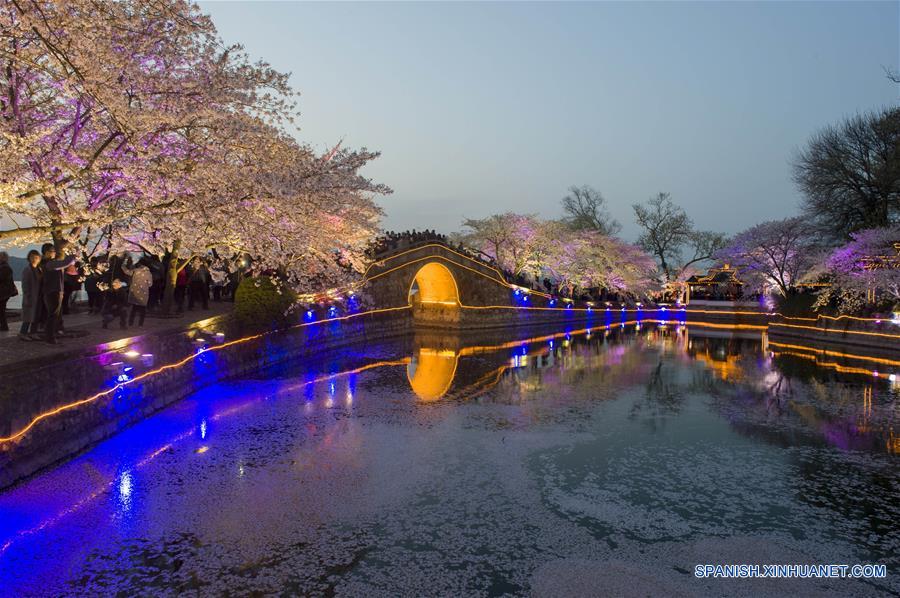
(13, 350)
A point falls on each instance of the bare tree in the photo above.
(666, 228)
(585, 209)
(669, 232)
(850, 174)
(703, 245)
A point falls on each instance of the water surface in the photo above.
(599, 462)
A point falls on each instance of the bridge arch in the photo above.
(431, 372)
(433, 283)
(435, 272)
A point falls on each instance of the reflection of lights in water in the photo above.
(349, 398)
(124, 488)
(202, 450)
(203, 430)
(329, 402)
(240, 470)
(331, 388)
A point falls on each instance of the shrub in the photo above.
(259, 303)
(797, 304)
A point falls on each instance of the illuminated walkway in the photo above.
(12, 350)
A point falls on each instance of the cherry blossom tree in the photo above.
(510, 239)
(869, 262)
(131, 125)
(774, 253)
(574, 259)
(98, 100)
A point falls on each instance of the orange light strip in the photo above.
(176, 365)
(436, 257)
(500, 280)
(881, 360)
(717, 311)
(726, 326)
(816, 328)
(140, 464)
(842, 369)
(445, 248)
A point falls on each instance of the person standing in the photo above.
(116, 283)
(181, 285)
(95, 295)
(32, 277)
(199, 284)
(139, 290)
(53, 287)
(7, 288)
(71, 286)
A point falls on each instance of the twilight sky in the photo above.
(481, 108)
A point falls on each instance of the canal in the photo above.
(602, 461)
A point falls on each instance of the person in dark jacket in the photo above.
(116, 294)
(198, 283)
(32, 278)
(53, 287)
(95, 295)
(7, 288)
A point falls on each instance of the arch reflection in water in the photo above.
(431, 372)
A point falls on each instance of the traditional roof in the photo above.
(716, 276)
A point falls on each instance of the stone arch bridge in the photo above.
(445, 286)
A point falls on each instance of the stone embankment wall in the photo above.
(874, 337)
(86, 395)
(745, 313)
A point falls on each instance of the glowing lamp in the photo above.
(220, 337)
(131, 354)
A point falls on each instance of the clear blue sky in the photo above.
(481, 108)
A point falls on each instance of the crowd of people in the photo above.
(393, 241)
(118, 286)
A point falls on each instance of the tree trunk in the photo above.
(171, 279)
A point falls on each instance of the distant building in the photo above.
(719, 283)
